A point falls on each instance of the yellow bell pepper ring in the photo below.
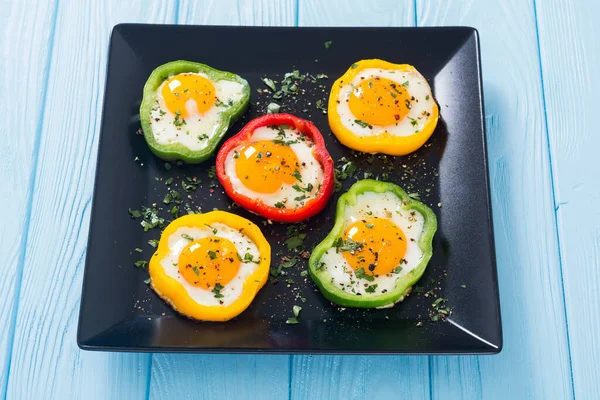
(182, 294)
(381, 107)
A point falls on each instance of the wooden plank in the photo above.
(25, 27)
(356, 13)
(194, 376)
(456, 377)
(358, 377)
(210, 376)
(238, 12)
(568, 35)
(46, 362)
(526, 243)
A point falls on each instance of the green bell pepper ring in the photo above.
(178, 151)
(404, 281)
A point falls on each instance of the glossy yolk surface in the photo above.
(188, 92)
(263, 166)
(382, 249)
(379, 101)
(208, 261)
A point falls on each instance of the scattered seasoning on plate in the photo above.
(439, 311)
(292, 263)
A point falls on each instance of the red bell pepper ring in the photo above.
(320, 153)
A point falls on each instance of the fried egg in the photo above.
(276, 166)
(210, 266)
(380, 242)
(380, 107)
(188, 109)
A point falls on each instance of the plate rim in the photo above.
(85, 343)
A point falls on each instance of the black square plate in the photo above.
(119, 312)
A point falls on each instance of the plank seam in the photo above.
(429, 368)
(149, 375)
(29, 204)
(479, 377)
(290, 358)
(176, 12)
(557, 233)
(415, 13)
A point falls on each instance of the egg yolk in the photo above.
(379, 101)
(208, 261)
(263, 166)
(185, 93)
(376, 245)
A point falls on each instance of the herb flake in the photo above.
(361, 274)
(270, 83)
(296, 310)
(273, 108)
(297, 175)
(363, 124)
(217, 291)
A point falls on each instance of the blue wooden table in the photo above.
(541, 68)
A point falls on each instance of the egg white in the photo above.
(231, 290)
(386, 206)
(196, 125)
(311, 172)
(417, 86)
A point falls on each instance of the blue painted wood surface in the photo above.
(570, 64)
(541, 62)
(529, 270)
